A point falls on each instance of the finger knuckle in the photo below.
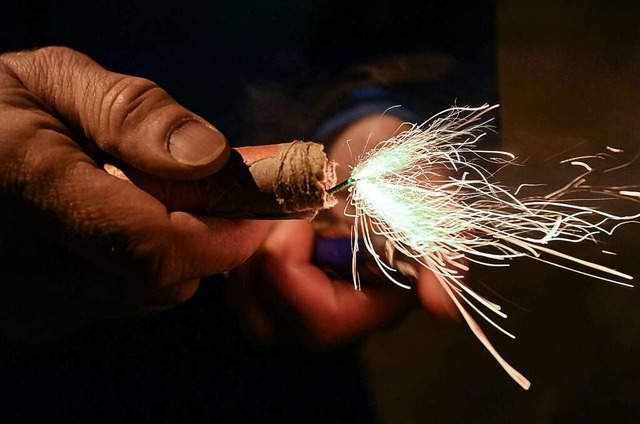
(43, 54)
(55, 55)
(126, 103)
(32, 63)
(45, 59)
(48, 71)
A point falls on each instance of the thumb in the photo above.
(130, 118)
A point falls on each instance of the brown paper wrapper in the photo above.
(279, 181)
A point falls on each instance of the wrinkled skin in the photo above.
(61, 116)
(80, 245)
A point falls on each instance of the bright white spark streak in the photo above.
(428, 192)
(584, 165)
(630, 193)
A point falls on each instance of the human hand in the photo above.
(284, 296)
(79, 244)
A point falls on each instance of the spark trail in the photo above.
(429, 192)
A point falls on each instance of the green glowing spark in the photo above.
(428, 192)
(346, 183)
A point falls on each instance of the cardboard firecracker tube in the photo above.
(277, 181)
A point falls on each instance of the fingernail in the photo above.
(194, 143)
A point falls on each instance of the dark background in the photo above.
(569, 76)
